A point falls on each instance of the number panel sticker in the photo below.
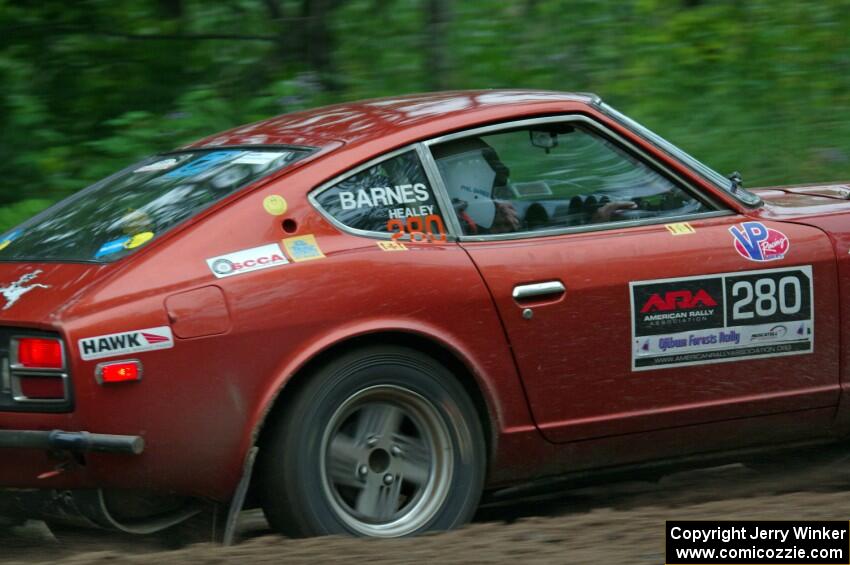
(723, 317)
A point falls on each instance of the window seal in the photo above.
(600, 227)
(599, 129)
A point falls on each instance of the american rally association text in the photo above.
(756, 533)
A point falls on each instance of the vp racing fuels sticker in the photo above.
(725, 317)
(757, 242)
(124, 343)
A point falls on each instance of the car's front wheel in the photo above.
(381, 442)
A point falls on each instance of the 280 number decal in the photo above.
(424, 229)
(768, 297)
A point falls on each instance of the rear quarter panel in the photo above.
(201, 403)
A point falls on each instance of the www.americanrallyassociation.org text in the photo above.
(727, 534)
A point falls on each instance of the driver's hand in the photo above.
(606, 212)
(506, 219)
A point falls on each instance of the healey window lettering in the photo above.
(408, 212)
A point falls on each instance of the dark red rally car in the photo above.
(361, 317)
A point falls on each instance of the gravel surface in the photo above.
(621, 523)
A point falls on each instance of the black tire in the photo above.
(372, 414)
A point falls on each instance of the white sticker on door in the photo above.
(724, 317)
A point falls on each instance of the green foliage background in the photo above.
(760, 86)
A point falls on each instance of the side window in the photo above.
(393, 196)
(552, 176)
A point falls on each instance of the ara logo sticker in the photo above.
(247, 261)
(677, 300)
(757, 242)
(124, 343)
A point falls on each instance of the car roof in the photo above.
(368, 120)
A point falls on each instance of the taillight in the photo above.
(37, 370)
(42, 388)
(119, 372)
(40, 353)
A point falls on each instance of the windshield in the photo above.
(702, 169)
(128, 210)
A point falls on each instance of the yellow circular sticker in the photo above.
(275, 205)
(139, 239)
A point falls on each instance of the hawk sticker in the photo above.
(126, 343)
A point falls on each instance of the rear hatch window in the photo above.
(128, 210)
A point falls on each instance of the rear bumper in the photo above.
(77, 442)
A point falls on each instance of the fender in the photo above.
(503, 415)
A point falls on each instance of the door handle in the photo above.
(536, 290)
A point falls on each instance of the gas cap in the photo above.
(198, 313)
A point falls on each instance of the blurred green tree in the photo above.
(760, 86)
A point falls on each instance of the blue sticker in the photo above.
(7, 240)
(303, 250)
(112, 247)
(201, 164)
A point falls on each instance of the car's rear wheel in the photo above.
(382, 442)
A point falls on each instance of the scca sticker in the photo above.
(124, 343)
(757, 242)
(247, 261)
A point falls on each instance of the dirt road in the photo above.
(621, 523)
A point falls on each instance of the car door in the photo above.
(632, 301)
